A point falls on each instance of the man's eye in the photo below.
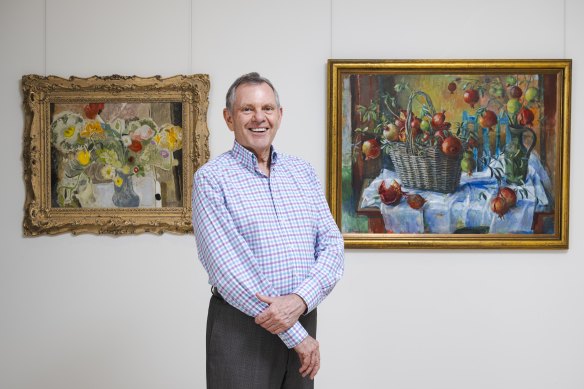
(269, 109)
(246, 109)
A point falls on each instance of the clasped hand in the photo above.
(282, 313)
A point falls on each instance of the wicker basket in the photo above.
(425, 168)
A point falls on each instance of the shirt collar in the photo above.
(248, 159)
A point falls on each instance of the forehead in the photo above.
(254, 94)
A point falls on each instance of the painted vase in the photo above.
(124, 195)
(517, 154)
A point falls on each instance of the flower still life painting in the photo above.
(112, 154)
(439, 154)
(116, 155)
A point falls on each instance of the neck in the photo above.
(264, 162)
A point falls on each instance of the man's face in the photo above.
(255, 118)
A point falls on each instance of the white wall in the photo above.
(129, 312)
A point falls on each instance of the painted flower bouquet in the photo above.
(90, 151)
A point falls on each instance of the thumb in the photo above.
(265, 299)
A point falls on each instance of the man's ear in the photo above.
(228, 118)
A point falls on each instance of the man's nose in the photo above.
(259, 116)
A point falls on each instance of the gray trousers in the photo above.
(242, 355)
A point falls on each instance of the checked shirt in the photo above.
(271, 235)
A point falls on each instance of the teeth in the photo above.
(261, 129)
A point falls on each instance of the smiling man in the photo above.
(271, 248)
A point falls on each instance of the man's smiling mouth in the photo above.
(259, 129)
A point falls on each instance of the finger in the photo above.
(305, 365)
(310, 369)
(262, 317)
(315, 370)
(265, 299)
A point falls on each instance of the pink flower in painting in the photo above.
(143, 133)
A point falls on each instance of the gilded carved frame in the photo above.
(343, 119)
(188, 93)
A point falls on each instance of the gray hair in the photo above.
(249, 78)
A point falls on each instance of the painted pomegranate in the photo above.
(525, 117)
(488, 119)
(438, 119)
(451, 146)
(390, 195)
(416, 201)
(499, 206)
(452, 87)
(509, 195)
(471, 97)
(515, 92)
(371, 149)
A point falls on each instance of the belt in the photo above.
(216, 293)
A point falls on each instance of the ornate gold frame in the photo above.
(39, 92)
(562, 68)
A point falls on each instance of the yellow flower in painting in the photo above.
(157, 139)
(83, 157)
(171, 137)
(126, 170)
(118, 181)
(92, 129)
(69, 132)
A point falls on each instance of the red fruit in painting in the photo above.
(509, 195)
(370, 148)
(451, 146)
(444, 126)
(471, 96)
(136, 146)
(415, 123)
(402, 135)
(525, 117)
(499, 206)
(472, 143)
(416, 201)
(515, 92)
(403, 115)
(440, 135)
(488, 119)
(401, 124)
(390, 195)
(438, 119)
(452, 87)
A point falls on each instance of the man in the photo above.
(271, 248)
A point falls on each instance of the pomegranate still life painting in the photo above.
(450, 154)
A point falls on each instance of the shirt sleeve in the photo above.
(227, 258)
(328, 252)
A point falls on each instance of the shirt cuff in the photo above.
(309, 291)
(294, 335)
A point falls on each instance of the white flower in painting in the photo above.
(118, 125)
(65, 130)
(126, 140)
(134, 125)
